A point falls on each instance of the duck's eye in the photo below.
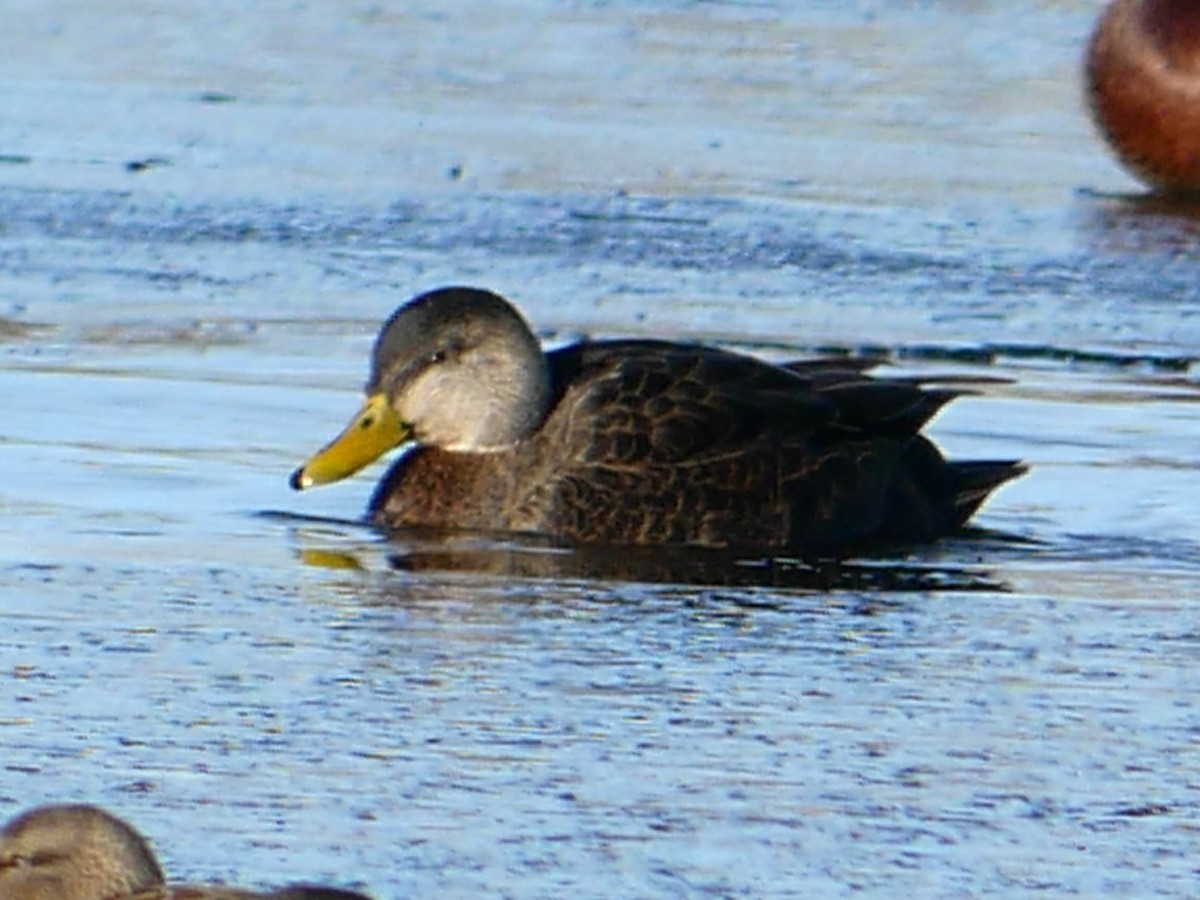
(439, 356)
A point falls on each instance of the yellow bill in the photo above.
(373, 432)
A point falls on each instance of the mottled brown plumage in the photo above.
(1143, 86)
(650, 442)
(79, 852)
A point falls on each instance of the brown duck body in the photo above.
(80, 852)
(650, 442)
(1143, 87)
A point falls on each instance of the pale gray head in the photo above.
(462, 370)
(73, 853)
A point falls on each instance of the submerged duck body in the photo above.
(80, 852)
(644, 442)
(1143, 86)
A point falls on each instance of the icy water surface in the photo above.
(207, 211)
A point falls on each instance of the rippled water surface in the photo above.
(205, 212)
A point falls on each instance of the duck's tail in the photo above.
(974, 481)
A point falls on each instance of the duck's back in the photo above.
(652, 442)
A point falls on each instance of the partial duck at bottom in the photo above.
(80, 852)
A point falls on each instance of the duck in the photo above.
(83, 852)
(643, 442)
(1142, 81)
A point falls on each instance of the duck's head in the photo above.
(73, 853)
(455, 368)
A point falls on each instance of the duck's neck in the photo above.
(518, 399)
(482, 416)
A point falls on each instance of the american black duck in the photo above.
(1143, 86)
(643, 441)
(79, 852)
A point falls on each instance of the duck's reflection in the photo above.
(1158, 224)
(949, 566)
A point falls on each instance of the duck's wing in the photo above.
(650, 402)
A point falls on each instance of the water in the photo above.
(208, 211)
